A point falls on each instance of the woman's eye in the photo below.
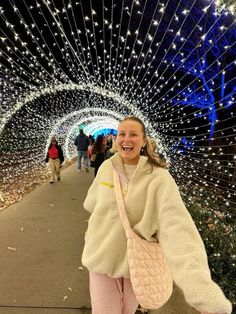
(131, 135)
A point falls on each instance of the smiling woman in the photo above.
(156, 212)
(132, 142)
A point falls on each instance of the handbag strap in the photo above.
(121, 205)
(120, 202)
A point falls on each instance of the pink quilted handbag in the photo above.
(149, 274)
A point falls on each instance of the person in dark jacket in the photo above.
(55, 158)
(99, 149)
(82, 142)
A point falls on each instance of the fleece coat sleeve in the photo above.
(186, 255)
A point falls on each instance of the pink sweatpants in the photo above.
(111, 295)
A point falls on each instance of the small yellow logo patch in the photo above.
(110, 185)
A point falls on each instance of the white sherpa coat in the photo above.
(154, 207)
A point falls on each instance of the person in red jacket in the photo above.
(55, 158)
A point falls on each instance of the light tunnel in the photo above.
(171, 63)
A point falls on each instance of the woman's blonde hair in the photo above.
(113, 149)
(147, 150)
(153, 144)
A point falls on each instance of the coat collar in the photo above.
(142, 166)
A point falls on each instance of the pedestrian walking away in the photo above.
(82, 142)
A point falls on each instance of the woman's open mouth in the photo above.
(127, 148)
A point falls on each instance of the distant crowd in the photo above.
(94, 151)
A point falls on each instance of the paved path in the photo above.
(47, 229)
(41, 241)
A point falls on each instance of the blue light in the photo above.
(105, 132)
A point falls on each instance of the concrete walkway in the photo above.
(41, 241)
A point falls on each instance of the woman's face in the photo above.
(130, 140)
